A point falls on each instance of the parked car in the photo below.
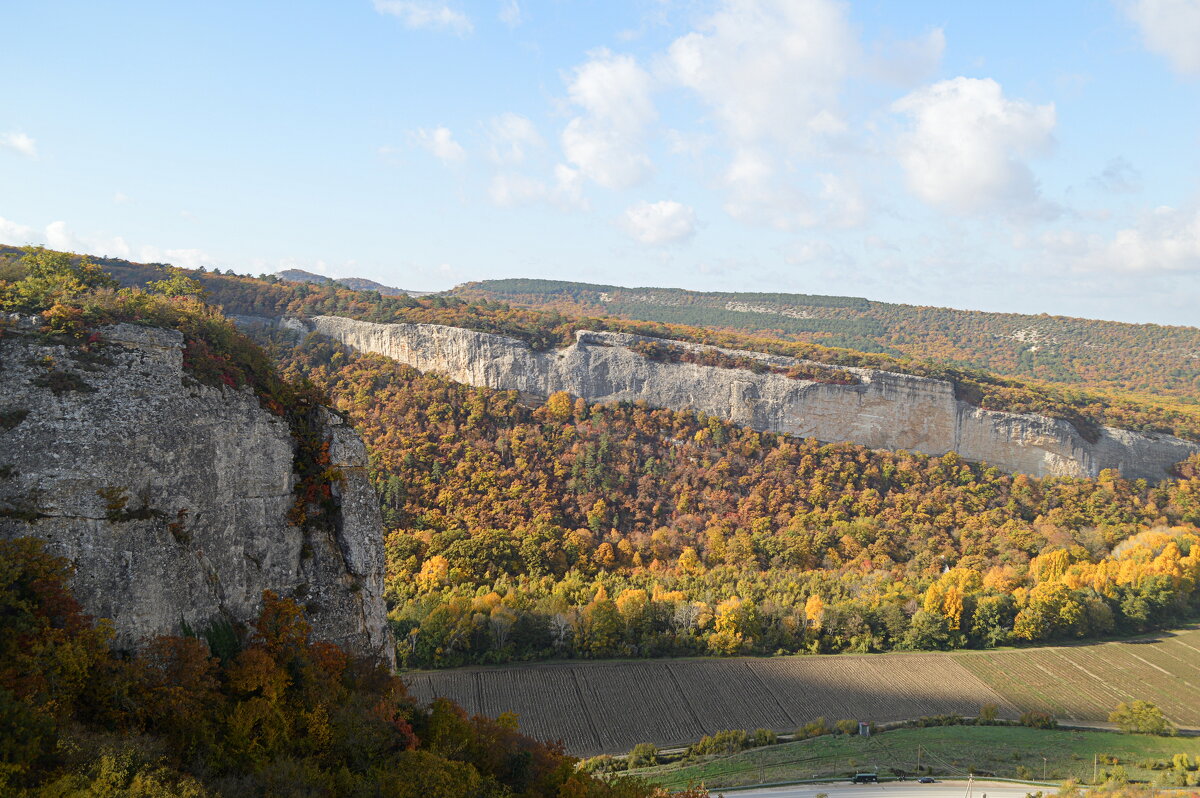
(927, 780)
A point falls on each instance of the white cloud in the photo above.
(511, 189)
(121, 198)
(512, 137)
(510, 13)
(19, 142)
(605, 143)
(426, 14)
(1163, 241)
(1170, 28)
(187, 258)
(660, 222)
(769, 69)
(57, 235)
(440, 142)
(771, 74)
(1166, 240)
(15, 234)
(803, 253)
(762, 191)
(756, 194)
(965, 150)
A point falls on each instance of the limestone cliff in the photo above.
(172, 498)
(885, 410)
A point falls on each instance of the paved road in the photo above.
(908, 789)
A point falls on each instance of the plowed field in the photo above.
(608, 707)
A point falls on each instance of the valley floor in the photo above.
(610, 706)
(949, 752)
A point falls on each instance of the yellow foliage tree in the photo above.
(814, 611)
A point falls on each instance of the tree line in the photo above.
(585, 530)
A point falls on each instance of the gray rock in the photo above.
(171, 498)
(885, 411)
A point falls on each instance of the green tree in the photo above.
(643, 755)
(44, 277)
(1141, 717)
(177, 284)
(927, 632)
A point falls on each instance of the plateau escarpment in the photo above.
(883, 410)
(175, 501)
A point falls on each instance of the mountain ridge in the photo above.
(882, 410)
(1068, 350)
(353, 283)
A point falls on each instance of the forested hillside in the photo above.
(521, 532)
(1105, 355)
(593, 531)
(267, 712)
(229, 709)
(268, 296)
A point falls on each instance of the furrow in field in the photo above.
(544, 700)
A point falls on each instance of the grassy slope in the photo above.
(1003, 751)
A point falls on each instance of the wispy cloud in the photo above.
(510, 13)
(19, 142)
(424, 14)
(440, 142)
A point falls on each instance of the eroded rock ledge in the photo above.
(171, 498)
(885, 410)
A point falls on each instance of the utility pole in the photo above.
(918, 759)
(1043, 768)
(970, 782)
(1095, 767)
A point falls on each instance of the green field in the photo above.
(949, 751)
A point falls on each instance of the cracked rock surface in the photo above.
(171, 498)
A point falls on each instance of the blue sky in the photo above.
(1031, 157)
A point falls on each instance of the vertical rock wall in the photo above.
(171, 498)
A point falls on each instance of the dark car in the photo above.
(864, 778)
(927, 780)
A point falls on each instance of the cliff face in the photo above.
(886, 410)
(171, 498)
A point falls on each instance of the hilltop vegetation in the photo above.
(268, 296)
(593, 531)
(1098, 355)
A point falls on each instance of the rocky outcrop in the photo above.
(172, 498)
(885, 410)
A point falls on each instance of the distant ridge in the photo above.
(353, 283)
(1149, 359)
